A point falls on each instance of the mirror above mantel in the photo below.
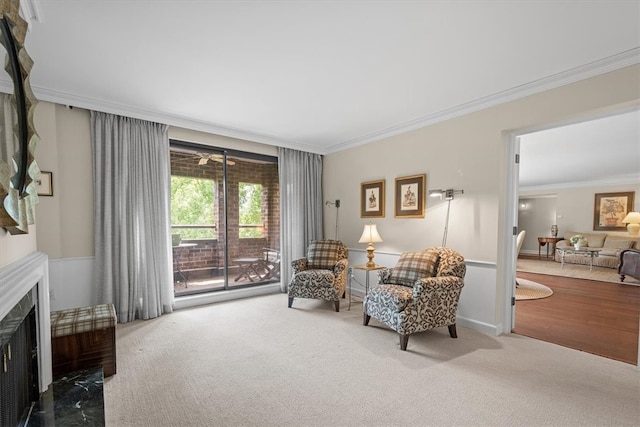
(18, 139)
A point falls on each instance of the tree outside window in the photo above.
(193, 203)
(250, 210)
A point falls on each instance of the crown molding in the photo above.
(31, 11)
(605, 65)
(168, 119)
(628, 179)
(612, 63)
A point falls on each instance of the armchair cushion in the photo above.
(414, 265)
(393, 296)
(323, 254)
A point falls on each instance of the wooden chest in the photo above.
(83, 338)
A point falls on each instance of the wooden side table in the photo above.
(552, 241)
(367, 270)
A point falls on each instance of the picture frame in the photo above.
(410, 196)
(372, 199)
(610, 209)
(44, 184)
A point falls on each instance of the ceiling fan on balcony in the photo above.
(205, 157)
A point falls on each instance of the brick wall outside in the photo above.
(209, 252)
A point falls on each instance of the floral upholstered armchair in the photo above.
(322, 274)
(420, 293)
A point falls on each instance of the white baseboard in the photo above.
(220, 296)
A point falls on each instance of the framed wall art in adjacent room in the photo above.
(372, 199)
(44, 184)
(610, 209)
(410, 194)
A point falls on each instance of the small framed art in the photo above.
(610, 209)
(44, 184)
(372, 199)
(410, 194)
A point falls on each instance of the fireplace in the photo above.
(26, 331)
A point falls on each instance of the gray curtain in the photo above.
(300, 206)
(132, 215)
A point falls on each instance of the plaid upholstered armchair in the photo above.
(322, 274)
(420, 293)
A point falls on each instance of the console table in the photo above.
(542, 241)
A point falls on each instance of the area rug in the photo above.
(574, 270)
(528, 289)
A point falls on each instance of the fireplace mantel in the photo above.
(16, 280)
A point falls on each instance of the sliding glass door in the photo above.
(225, 220)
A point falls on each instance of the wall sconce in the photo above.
(370, 235)
(445, 194)
(633, 219)
(448, 196)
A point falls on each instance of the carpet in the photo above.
(573, 270)
(528, 289)
(255, 362)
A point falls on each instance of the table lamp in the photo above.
(633, 219)
(370, 235)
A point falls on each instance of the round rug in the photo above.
(528, 289)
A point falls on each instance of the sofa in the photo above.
(611, 244)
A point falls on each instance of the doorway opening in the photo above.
(569, 205)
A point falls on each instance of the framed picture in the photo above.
(372, 199)
(410, 194)
(44, 184)
(610, 209)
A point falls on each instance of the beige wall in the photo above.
(467, 152)
(66, 219)
(188, 135)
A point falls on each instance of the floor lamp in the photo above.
(448, 196)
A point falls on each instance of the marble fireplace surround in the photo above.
(16, 280)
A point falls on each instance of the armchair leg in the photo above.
(337, 304)
(290, 301)
(452, 331)
(365, 319)
(404, 340)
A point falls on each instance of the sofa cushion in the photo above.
(322, 254)
(617, 242)
(595, 240)
(609, 252)
(413, 266)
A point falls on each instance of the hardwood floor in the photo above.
(596, 317)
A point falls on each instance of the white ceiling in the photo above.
(319, 76)
(596, 152)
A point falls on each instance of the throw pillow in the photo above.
(322, 254)
(413, 266)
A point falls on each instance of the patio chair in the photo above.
(271, 263)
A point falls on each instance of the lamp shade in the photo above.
(370, 234)
(632, 218)
(633, 221)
